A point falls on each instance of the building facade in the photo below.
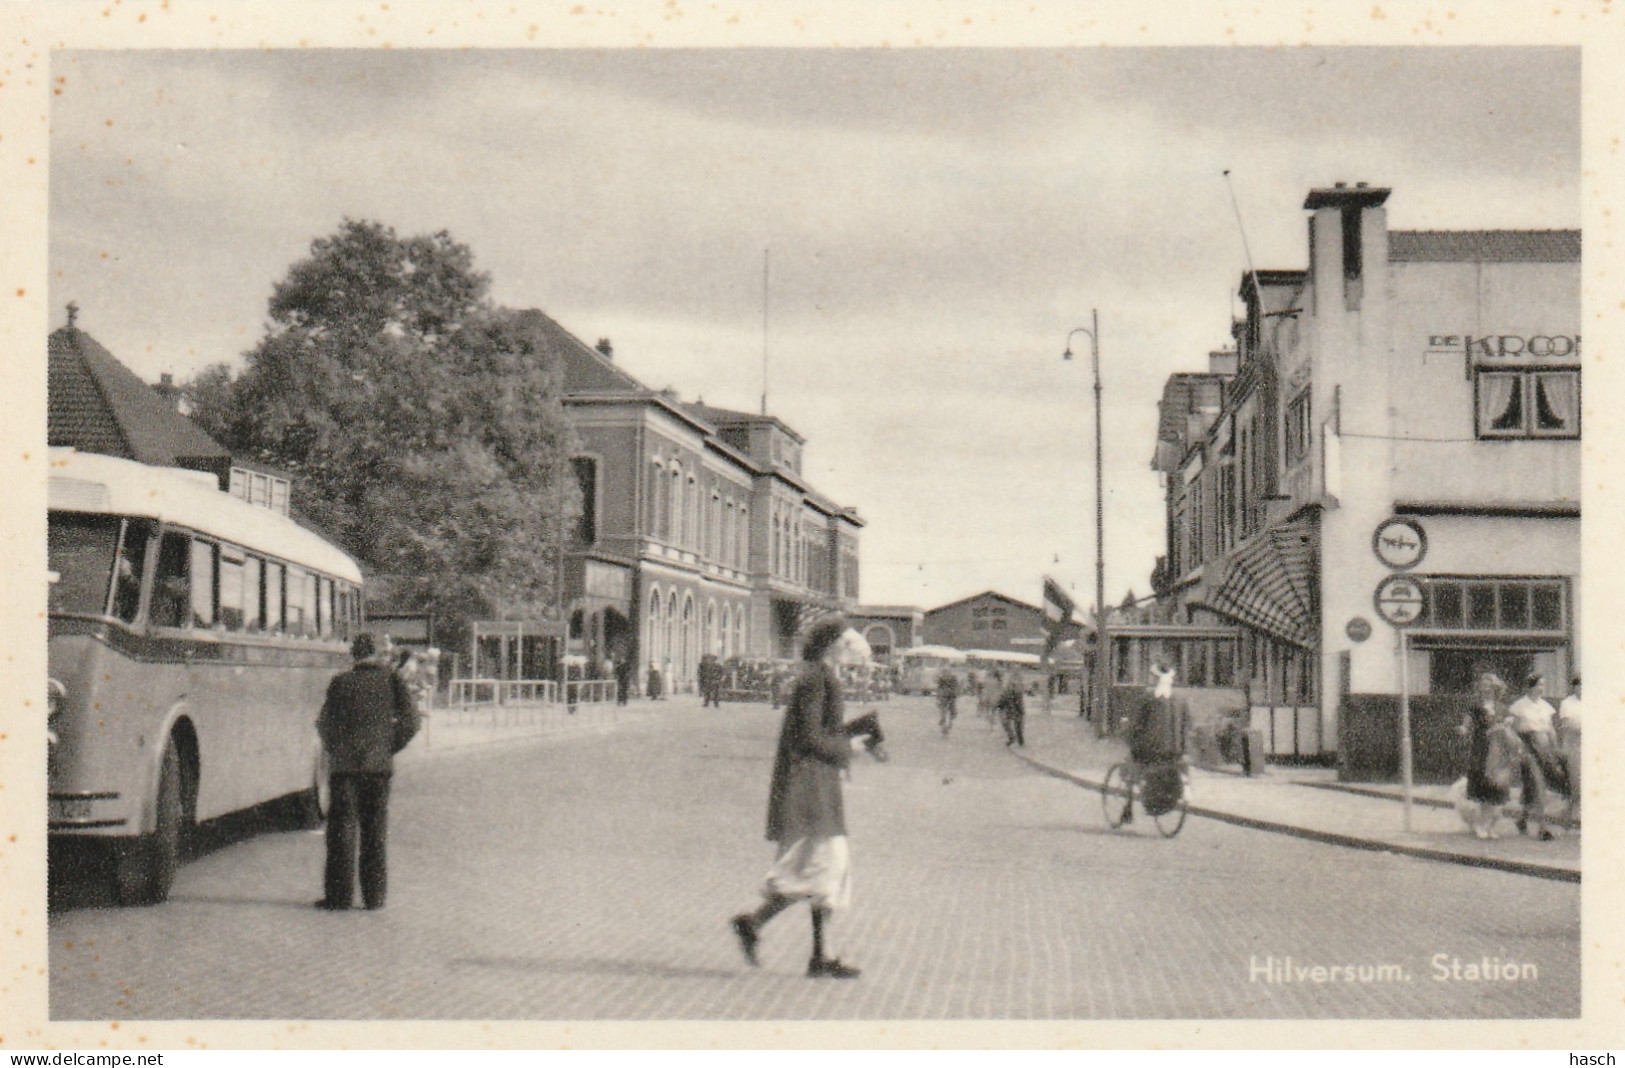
(889, 629)
(992, 621)
(699, 535)
(1423, 374)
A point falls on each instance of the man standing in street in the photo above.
(368, 717)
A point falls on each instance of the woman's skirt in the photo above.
(818, 870)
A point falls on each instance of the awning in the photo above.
(1269, 584)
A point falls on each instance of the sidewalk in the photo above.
(476, 726)
(1310, 803)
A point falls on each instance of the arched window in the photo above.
(689, 639)
(669, 653)
(712, 645)
(653, 644)
(739, 629)
(726, 555)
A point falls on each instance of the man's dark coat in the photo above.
(368, 717)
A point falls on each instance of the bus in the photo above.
(191, 639)
(922, 664)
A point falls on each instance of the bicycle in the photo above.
(1124, 783)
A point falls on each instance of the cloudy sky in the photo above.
(938, 222)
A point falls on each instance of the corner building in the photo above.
(1427, 374)
(698, 532)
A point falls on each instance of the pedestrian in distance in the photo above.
(947, 697)
(369, 716)
(656, 684)
(623, 680)
(805, 816)
(1533, 716)
(1011, 708)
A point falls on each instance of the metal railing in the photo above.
(589, 691)
(463, 693)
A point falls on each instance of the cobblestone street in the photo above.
(591, 876)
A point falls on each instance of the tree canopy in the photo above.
(423, 424)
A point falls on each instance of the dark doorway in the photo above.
(1454, 670)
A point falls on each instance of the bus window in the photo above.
(325, 606)
(253, 594)
(203, 583)
(171, 591)
(129, 569)
(81, 550)
(273, 596)
(299, 617)
(341, 612)
(231, 589)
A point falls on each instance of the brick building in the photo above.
(991, 621)
(699, 533)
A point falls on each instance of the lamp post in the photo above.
(1102, 642)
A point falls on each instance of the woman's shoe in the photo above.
(830, 968)
(745, 930)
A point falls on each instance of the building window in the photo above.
(1528, 404)
(1496, 604)
(586, 474)
(1298, 432)
(657, 483)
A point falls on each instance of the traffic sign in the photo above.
(1399, 600)
(1358, 629)
(1399, 542)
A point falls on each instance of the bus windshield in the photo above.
(86, 553)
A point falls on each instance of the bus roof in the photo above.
(942, 652)
(1004, 656)
(94, 483)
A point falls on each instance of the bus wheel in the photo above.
(145, 868)
(314, 801)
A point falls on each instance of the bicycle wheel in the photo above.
(1115, 796)
(1171, 821)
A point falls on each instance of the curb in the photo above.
(1515, 867)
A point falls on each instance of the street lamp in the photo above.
(1102, 643)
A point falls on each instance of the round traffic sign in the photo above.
(1399, 600)
(1399, 542)
(1358, 629)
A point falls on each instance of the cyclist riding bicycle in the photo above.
(1156, 741)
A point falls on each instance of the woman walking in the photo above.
(804, 812)
(1492, 756)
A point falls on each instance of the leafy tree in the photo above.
(423, 424)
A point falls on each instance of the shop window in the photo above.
(1528, 404)
(1503, 604)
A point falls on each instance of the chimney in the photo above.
(605, 349)
(1337, 228)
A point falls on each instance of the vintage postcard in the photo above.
(904, 525)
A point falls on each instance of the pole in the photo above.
(766, 291)
(1405, 721)
(1102, 641)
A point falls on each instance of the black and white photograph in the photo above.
(963, 519)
